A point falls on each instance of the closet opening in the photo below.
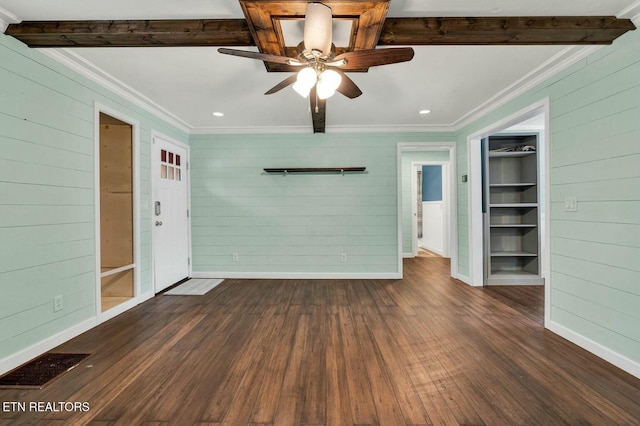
(116, 207)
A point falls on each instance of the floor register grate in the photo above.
(40, 371)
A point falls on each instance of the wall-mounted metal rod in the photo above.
(315, 169)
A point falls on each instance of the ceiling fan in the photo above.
(321, 70)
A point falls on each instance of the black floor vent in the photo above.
(40, 371)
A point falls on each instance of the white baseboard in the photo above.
(620, 361)
(33, 351)
(300, 275)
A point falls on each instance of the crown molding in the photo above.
(329, 129)
(390, 129)
(87, 69)
(554, 65)
(7, 18)
(251, 130)
(631, 12)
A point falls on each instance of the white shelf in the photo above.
(508, 185)
(513, 254)
(504, 274)
(512, 154)
(512, 205)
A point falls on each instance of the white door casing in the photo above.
(169, 213)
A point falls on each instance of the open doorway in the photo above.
(410, 155)
(116, 189)
(430, 208)
(521, 202)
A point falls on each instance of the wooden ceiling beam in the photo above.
(133, 33)
(524, 30)
(568, 30)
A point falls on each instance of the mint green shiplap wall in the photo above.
(595, 156)
(296, 224)
(47, 239)
(407, 159)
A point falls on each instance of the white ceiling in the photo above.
(188, 84)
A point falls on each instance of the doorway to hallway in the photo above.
(408, 155)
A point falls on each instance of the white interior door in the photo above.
(433, 219)
(169, 213)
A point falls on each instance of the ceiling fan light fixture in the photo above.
(317, 29)
(307, 78)
(328, 82)
(324, 91)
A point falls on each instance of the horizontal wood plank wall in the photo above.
(296, 224)
(47, 194)
(464, 239)
(595, 156)
(408, 158)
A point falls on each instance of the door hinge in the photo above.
(187, 212)
(188, 261)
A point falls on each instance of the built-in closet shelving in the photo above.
(512, 220)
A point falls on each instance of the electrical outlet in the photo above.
(343, 257)
(57, 303)
(571, 204)
(235, 257)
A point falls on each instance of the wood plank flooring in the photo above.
(422, 350)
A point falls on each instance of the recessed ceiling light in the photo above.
(218, 114)
(424, 111)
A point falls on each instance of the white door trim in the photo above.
(445, 202)
(452, 195)
(475, 195)
(155, 134)
(135, 135)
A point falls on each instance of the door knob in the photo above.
(158, 223)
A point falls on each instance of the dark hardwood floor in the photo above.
(422, 350)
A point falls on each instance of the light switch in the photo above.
(571, 204)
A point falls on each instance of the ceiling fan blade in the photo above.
(267, 57)
(359, 59)
(347, 86)
(318, 108)
(318, 111)
(284, 83)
